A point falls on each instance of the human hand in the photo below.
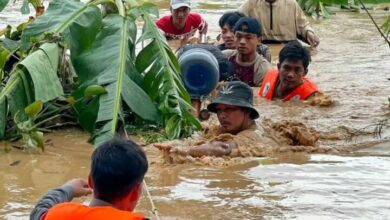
(80, 187)
(220, 148)
(312, 39)
(163, 147)
(203, 28)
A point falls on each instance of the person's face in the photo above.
(291, 72)
(228, 37)
(231, 118)
(246, 42)
(179, 16)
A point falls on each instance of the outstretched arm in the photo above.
(65, 193)
(214, 148)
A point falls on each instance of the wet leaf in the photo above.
(33, 109)
(37, 137)
(16, 162)
(93, 90)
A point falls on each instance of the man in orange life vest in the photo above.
(117, 172)
(289, 82)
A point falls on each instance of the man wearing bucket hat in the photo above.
(182, 24)
(249, 66)
(236, 116)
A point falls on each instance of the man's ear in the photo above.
(90, 182)
(136, 192)
(306, 71)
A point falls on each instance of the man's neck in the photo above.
(178, 26)
(247, 58)
(97, 202)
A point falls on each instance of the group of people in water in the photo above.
(118, 167)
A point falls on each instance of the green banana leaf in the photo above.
(42, 67)
(163, 81)
(3, 118)
(35, 78)
(3, 3)
(108, 63)
(65, 17)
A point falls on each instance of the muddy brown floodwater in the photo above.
(351, 65)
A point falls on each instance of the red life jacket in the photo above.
(75, 211)
(302, 92)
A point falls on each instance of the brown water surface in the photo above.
(351, 65)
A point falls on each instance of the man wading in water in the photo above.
(236, 115)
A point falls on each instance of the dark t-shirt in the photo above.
(244, 73)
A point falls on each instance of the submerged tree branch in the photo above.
(376, 25)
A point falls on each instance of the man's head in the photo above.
(227, 23)
(180, 10)
(247, 35)
(293, 63)
(234, 107)
(117, 170)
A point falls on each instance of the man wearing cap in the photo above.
(236, 116)
(182, 24)
(249, 66)
(227, 23)
(282, 21)
(289, 81)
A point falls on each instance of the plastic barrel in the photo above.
(200, 71)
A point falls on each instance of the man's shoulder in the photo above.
(164, 21)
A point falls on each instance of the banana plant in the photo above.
(104, 57)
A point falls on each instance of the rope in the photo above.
(145, 187)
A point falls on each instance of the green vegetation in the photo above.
(75, 64)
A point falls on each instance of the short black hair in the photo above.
(230, 18)
(248, 25)
(117, 166)
(294, 50)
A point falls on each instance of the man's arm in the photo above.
(74, 188)
(53, 197)
(303, 27)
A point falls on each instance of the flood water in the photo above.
(351, 64)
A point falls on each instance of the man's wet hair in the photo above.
(230, 18)
(117, 166)
(248, 25)
(295, 51)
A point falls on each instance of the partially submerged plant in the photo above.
(111, 80)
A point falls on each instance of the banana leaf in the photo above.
(65, 17)
(3, 118)
(108, 63)
(163, 81)
(42, 68)
(35, 78)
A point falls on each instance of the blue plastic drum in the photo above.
(200, 71)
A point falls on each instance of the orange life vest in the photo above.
(302, 92)
(75, 211)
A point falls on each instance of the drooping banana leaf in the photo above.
(108, 63)
(35, 78)
(163, 81)
(42, 67)
(66, 18)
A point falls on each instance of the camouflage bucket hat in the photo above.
(235, 93)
